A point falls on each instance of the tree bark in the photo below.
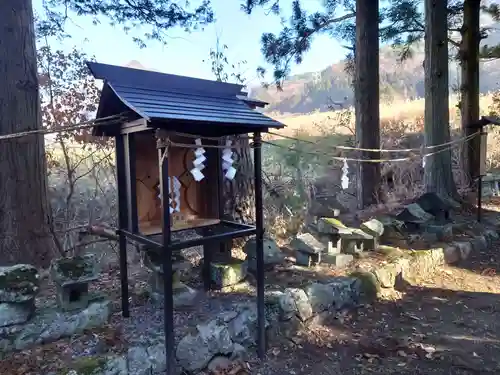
(367, 98)
(239, 192)
(24, 210)
(438, 167)
(469, 103)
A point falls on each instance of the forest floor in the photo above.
(448, 323)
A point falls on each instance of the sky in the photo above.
(185, 52)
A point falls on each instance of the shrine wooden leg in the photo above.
(259, 224)
(168, 302)
(208, 251)
(122, 222)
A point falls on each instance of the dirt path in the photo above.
(449, 324)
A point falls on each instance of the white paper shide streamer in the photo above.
(345, 178)
(198, 165)
(174, 200)
(227, 161)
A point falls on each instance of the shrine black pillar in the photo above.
(121, 176)
(259, 223)
(168, 302)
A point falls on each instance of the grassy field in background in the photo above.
(407, 111)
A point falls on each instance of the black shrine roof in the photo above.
(182, 101)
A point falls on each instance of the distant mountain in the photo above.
(331, 87)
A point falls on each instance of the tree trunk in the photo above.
(239, 192)
(24, 210)
(469, 103)
(438, 168)
(366, 96)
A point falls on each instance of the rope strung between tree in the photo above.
(449, 146)
(60, 129)
(379, 150)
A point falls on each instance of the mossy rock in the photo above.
(425, 262)
(91, 365)
(391, 252)
(369, 285)
(18, 283)
(329, 225)
(228, 272)
(82, 268)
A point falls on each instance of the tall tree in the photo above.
(367, 98)
(469, 89)
(238, 193)
(24, 211)
(438, 173)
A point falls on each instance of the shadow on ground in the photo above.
(449, 324)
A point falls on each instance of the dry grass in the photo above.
(401, 111)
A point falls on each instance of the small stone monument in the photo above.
(272, 253)
(72, 276)
(227, 272)
(183, 294)
(307, 250)
(19, 286)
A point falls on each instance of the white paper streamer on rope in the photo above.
(345, 179)
(174, 200)
(176, 195)
(423, 161)
(198, 165)
(227, 161)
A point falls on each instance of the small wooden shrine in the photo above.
(172, 155)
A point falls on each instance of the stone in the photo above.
(423, 263)
(435, 205)
(272, 253)
(146, 360)
(229, 272)
(320, 296)
(307, 243)
(153, 260)
(491, 234)
(442, 232)
(362, 240)
(16, 313)
(327, 225)
(49, 325)
(18, 283)
(156, 284)
(306, 259)
(333, 249)
(338, 260)
(74, 270)
(350, 245)
(346, 291)
(72, 276)
(239, 352)
(195, 351)
(464, 248)
(414, 214)
(294, 302)
(479, 243)
(72, 296)
(183, 295)
(386, 275)
(367, 285)
(243, 328)
(373, 227)
(451, 254)
(219, 364)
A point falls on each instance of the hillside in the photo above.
(318, 91)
